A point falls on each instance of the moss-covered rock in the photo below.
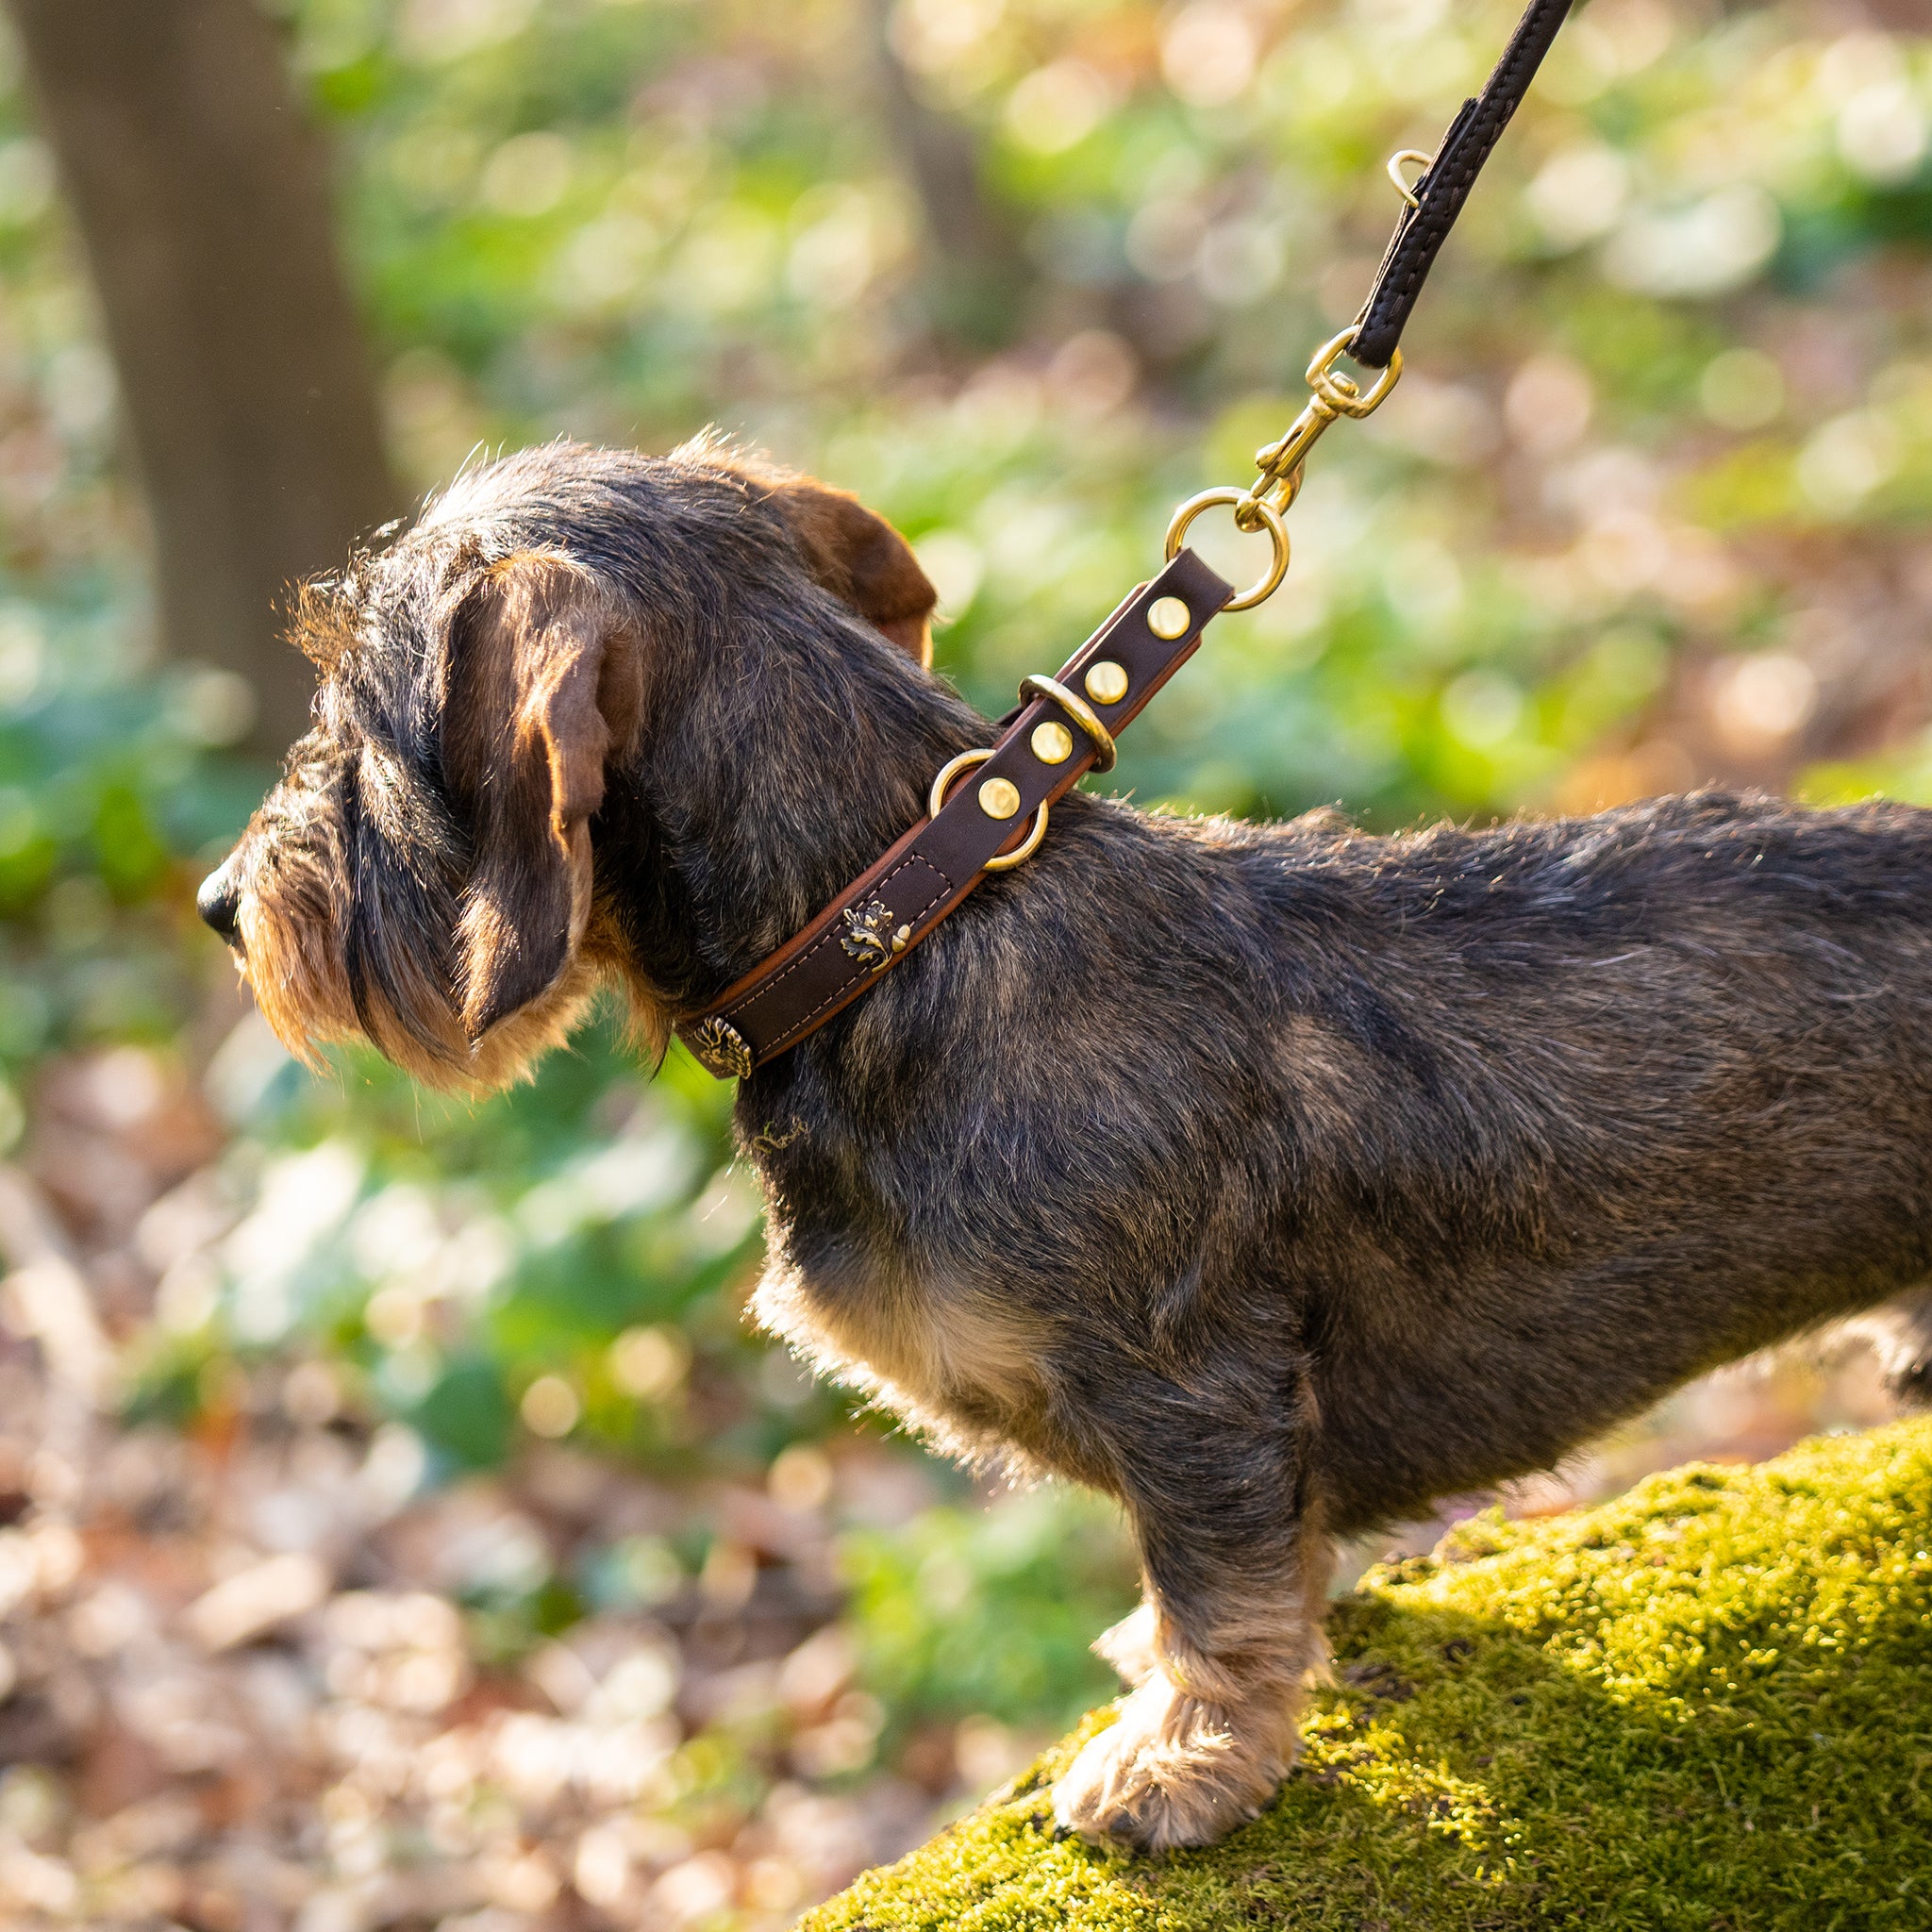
(1708, 1704)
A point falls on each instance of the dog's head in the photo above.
(424, 873)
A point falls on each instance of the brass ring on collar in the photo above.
(936, 799)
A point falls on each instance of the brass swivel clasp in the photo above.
(1333, 395)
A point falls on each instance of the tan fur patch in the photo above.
(319, 626)
(1209, 1728)
(960, 1370)
(295, 972)
(293, 967)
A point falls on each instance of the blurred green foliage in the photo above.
(1645, 510)
(990, 1611)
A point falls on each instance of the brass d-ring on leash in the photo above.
(1242, 502)
(1415, 156)
(966, 762)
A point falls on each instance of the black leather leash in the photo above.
(1439, 193)
(987, 810)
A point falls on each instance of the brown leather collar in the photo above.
(985, 813)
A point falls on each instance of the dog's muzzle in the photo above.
(218, 901)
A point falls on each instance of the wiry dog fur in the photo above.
(1273, 1180)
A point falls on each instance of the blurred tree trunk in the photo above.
(202, 195)
(978, 276)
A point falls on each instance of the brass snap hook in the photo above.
(1342, 394)
(1335, 395)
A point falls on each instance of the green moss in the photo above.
(1707, 1705)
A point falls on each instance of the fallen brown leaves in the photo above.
(239, 1695)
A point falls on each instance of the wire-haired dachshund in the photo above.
(1274, 1179)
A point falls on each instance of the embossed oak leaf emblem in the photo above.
(869, 936)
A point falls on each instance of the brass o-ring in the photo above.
(936, 798)
(1278, 535)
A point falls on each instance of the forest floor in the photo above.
(240, 1694)
(250, 1677)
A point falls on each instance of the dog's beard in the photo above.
(295, 967)
(292, 959)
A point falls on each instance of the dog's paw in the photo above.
(1900, 1334)
(1173, 1770)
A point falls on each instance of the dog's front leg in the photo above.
(1236, 1570)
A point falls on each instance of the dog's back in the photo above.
(1512, 1129)
(1626, 1097)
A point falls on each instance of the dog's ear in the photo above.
(857, 556)
(545, 678)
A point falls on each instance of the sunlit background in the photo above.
(406, 1527)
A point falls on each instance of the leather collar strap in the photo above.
(1438, 194)
(888, 908)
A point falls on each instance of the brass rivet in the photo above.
(1106, 682)
(1168, 617)
(999, 798)
(1053, 744)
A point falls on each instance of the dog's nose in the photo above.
(218, 901)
